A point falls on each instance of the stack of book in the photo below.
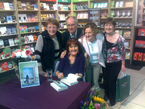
(26, 6)
(6, 6)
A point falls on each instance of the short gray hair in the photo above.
(76, 20)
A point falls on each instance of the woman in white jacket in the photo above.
(92, 43)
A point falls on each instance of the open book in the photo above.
(58, 86)
(71, 79)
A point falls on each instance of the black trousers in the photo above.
(110, 74)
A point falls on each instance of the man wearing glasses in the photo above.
(72, 30)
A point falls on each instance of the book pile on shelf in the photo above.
(121, 13)
(28, 18)
(6, 6)
(82, 23)
(139, 56)
(62, 16)
(46, 6)
(82, 15)
(63, 7)
(29, 38)
(80, 6)
(44, 17)
(7, 30)
(104, 14)
(127, 34)
(8, 19)
(25, 29)
(4, 66)
(140, 43)
(100, 5)
(9, 42)
(121, 4)
(26, 6)
(124, 24)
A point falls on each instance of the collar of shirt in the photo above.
(75, 35)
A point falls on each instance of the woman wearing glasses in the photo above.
(48, 47)
(73, 61)
(92, 43)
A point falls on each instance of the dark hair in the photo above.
(76, 20)
(111, 20)
(75, 42)
(93, 27)
(52, 21)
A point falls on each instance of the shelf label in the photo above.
(67, 1)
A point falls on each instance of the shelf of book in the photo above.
(122, 17)
(5, 59)
(127, 38)
(64, 11)
(8, 35)
(84, 10)
(78, 2)
(124, 28)
(29, 43)
(9, 46)
(7, 10)
(121, 8)
(8, 23)
(27, 22)
(31, 32)
(27, 10)
(48, 10)
(62, 28)
(7, 70)
(104, 8)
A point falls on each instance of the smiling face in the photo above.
(52, 29)
(109, 28)
(73, 49)
(71, 25)
(89, 34)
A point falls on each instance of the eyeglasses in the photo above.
(53, 27)
(71, 25)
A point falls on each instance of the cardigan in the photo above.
(100, 40)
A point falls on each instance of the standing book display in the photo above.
(29, 75)
(94, 15)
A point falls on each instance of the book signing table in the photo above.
(41, 97)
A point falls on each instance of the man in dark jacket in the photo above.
(73, 31)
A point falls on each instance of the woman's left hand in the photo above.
(123, 68)
(79, 74)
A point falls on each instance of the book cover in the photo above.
(2, 6)
(4, 66)
(32, 7)
(28, 5)
(24, 6)
(19, 4)
(41, 6)
(20, 17)
(24, 17)
(58, 86)
(1, 43)
(6, 5)
(35, 6)
(11, 42)
(3, 30)
(112, 14)
(14, 19)
(26, 39)
(16, 41)
(25, 28)
(95, 5)
(9, 19)
(11, 6)
(6, 42)
(112, 4)
(13, 30)
(91, 5)
(30, 37)
(29, 75)
(10, 65)
(2, 19)
(51, 7)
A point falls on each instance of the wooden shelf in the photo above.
(48, 10)
(8, 46)
(82, 18)
(31, 32)
(9, 35)
(80, 10)
(29, 43)
(27, 22)
(8, 23)
(104, 8)
(64, 11)
(7, 70)
(80, 2)
(122, 17)
(121, 8)
(104, 18)
(127, 38)
(62, 28)
(7, 10)
(27, 10)
(5, 59)
(127, 48)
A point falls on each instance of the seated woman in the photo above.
(48, 47)
(73, 61)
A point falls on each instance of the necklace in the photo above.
(71, 61)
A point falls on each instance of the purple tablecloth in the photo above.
(42, 97)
